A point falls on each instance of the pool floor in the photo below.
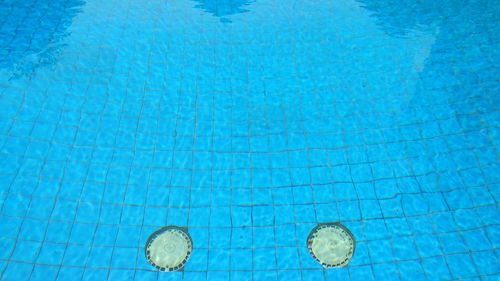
(248, 123)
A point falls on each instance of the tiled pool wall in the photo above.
(249, 123)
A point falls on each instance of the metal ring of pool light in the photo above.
(331, 244)
(169, 248)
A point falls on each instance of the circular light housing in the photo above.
(169, 248)
(331, 244)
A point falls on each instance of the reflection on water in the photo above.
(223, 8)
(400, 17)
(32, 32)
(447, 68)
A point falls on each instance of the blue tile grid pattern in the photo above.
(249, 122)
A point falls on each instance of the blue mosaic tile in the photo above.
(461, 265)
(42, 272)
(51, 254)
(17, 271)
(66, 273)
(412, 270)
(436, 268)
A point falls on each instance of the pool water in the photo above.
(249, 123)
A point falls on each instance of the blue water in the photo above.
(249, 122)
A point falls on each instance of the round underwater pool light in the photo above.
(169, 248)
(331, 244)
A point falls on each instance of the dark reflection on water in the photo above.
(460, 66)
(223, 8)
(398, 17)
(32, 31)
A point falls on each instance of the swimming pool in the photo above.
(249, 123)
